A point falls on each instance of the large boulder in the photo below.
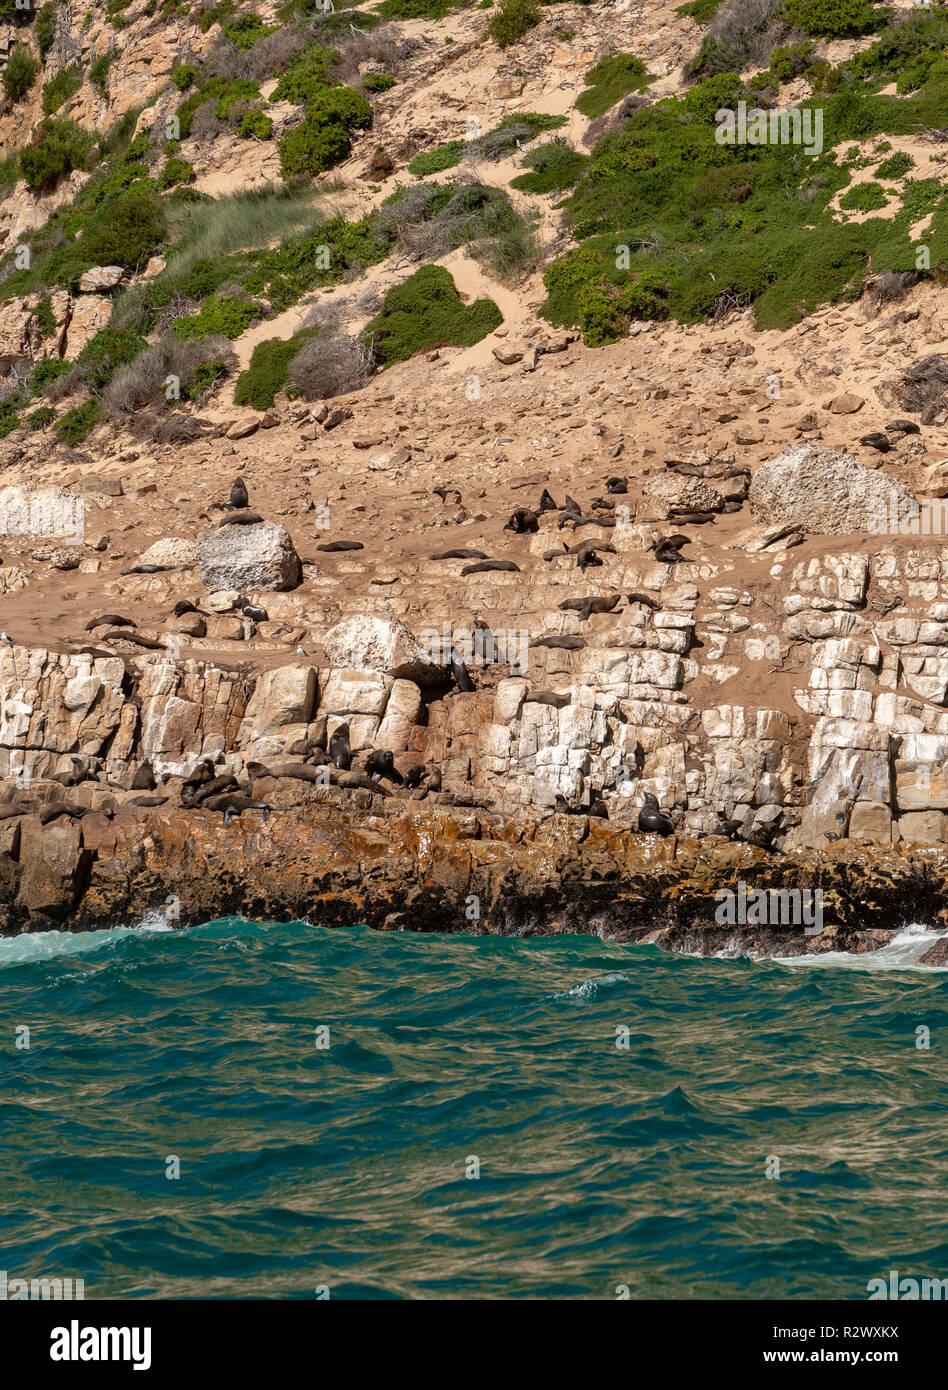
(381, 644)
(247, 558)
(173, 552)
(827, 493)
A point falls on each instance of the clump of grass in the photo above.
(513, 19)
(553, 167)
(865, 197)
(62, 88)
(267, 373)
(609, 81)
(437, 160)
(423, 313)
(895, 166)
(220, 316)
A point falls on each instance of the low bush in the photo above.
(437, 160)
(73, 427)
(99, 72)
(61, 147)
(895, 166)
(553, 167)
(176, 171)
(513, 19)
(132, 232)
(255, 125)
(322, 139)
(609, 81)
(195, 365)
(267, 373)
(377, 81)
(222, 316)
(20, 72)
(865, 197)
(41, 417)
(427, 311)
(183, 76)
(62, 88)
(834, 19)
(328, 365)
(46, 27)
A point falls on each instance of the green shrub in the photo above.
(303, 82)
(377, 81)
(102, 356)
(835, 19)
(43, 313)
(47, 371)
(415, 9)
(436, 160)
(701, 10)
(175, 171)
(183, 76)
(240, 89)
(99, 72)
(245, 31)
(609, 81)
(554, 166)
(865, 197)
(222, 315)
(41, 417)
(132, 232)
(9, 419)
(62, 147)
(267, 373)
(254, 124)
(206, 376)
(427, 310)
(513, 19)
(46, 27)
(895, 166)
(63, 88)
(20, 72)
(322, 138)
(73, 427)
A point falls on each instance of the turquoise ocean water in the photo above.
(353, 1167)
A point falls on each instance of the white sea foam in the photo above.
(903, 952)
(591, 987)
(47, 945)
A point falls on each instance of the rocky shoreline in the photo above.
(337, 862)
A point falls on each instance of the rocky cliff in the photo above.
(552, 571)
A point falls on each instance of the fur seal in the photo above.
(546, 503)
(651, 819)
(563, 644)
(224, 782)
(340, 753)
(284, 767)
(241, 519)
(380, 763)
(332, 547)
(434, 779)
(460, 555)
(109, 620)
(147, 801)
(460, 673)
(586, 606)
(413, 776)
(638, 597)
(234, 804)
(54, 809)
(117, 634)
(353, 781)
(521, 521)
(667, 549)
(487, 566)
(9, 809)
(547, 697)
(617, 486)
(876, 441)
(201, 775)
(147, 569)
(903, 427)
(255, 614)
(238, 496)
(79, 772)
(183, 606)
